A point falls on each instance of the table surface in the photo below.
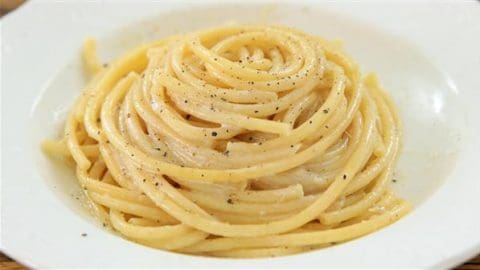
(8, 264)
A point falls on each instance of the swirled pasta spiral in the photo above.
(238, 141)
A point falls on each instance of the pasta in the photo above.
(238, 141)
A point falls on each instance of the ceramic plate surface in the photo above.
(426, 55)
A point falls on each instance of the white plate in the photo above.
(427, 56)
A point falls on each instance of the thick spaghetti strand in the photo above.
(238, 141)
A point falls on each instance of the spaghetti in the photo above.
(239, 141)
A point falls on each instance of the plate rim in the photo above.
(19, 15)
